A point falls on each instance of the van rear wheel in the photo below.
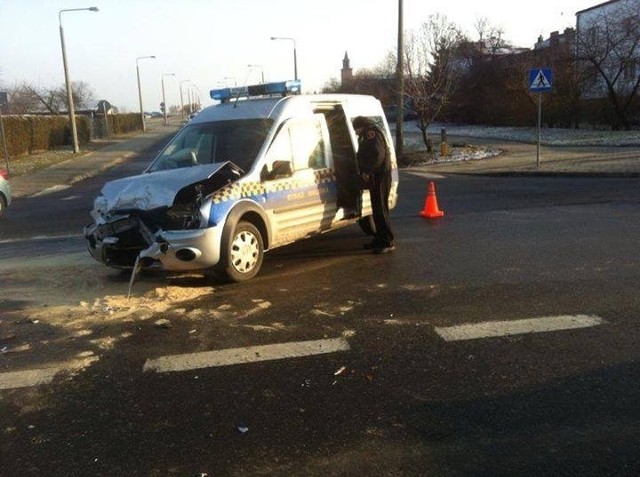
(242, 253)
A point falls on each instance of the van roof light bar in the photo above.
(281, 88)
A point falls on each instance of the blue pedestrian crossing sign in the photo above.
(540, 80)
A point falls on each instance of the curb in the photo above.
(102, 168)
(564, 174)
(86, 167)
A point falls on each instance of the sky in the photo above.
(200, 45)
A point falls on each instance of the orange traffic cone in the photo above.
(431, 204)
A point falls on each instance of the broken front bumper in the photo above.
(174, 250)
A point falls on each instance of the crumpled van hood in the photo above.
(151, 190)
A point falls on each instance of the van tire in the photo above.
(242, 253)
(367, 225)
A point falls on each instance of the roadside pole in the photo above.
(539, 129)
(4, 144)
(540, 81)
(4, 102)
(106, 121)
(400, 84)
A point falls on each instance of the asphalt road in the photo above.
(409, 401)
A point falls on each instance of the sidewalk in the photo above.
(80, 167)
(521, 159)
(594, 155)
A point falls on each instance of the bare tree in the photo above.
(50, 100)
(331, 86)
(386, 68)
(27, 98)
(609, 43)
(21, 99)
(82, 94)
(490, 37)
(431, 69)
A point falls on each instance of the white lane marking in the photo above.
(31, 377)
(426, 175)
(56, 188)
(490, 329)
(34, 377)
(40, 238)
(251, 354)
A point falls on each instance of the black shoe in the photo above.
(372, 245)
(387, 249)
(349, 214)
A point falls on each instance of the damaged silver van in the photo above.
(263, 168)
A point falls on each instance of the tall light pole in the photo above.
(182, 101)
(295, 58)
(400, 79)
(164, 101)
(144, 126)
(67, 79)
(261, 70)
(194, 93)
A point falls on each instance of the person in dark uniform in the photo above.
(374, 162)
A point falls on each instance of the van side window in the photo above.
(308, 145)
(280, 150)
(301, 143)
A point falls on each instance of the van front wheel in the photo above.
(242, 253)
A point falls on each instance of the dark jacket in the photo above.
(373, 152)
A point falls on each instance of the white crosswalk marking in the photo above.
(251, 354)
(35, 377)
(489, 329)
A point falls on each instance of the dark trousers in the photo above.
(379, 192)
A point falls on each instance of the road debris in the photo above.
(163, 323)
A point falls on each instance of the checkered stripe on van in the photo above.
(248, 189)
(325, 175)
(238, 191)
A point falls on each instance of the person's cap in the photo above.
(360, 122)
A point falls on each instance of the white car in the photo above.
(242, 177)
(5, 191)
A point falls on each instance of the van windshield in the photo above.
(237, 141)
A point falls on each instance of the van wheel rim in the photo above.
(245, 252)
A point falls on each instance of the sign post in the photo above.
(540, 81)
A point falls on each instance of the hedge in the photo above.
(27, 134)
(124, 123)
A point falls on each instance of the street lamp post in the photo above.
(182, 100)
(261, 70)
(67, 80)
(196, 98)
(164, 101)
(295, 58)
(144, 126)
(400, 83)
